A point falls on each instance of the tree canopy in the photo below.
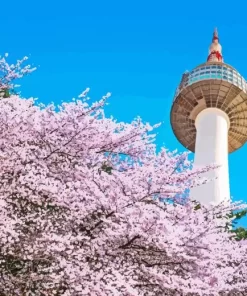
(88, 207)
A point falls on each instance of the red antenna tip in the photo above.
(215, 51)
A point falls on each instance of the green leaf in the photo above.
(6, 93)
(106, 168)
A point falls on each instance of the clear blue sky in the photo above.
(135, 49)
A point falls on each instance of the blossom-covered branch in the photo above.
(11, 72)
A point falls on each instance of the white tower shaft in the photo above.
(211, 147)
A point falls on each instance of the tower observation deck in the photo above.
(211, 88)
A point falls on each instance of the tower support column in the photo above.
(211, 147)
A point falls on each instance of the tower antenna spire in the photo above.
(215, 49)
(215, 36)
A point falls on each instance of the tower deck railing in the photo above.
(218, 71)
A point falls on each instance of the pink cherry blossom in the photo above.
(88, 207)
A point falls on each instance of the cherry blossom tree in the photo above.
(12, 72)
(88, 207)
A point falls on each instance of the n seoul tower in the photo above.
(209, 117)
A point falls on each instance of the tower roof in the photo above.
(215, 49)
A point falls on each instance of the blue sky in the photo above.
(136, 50)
